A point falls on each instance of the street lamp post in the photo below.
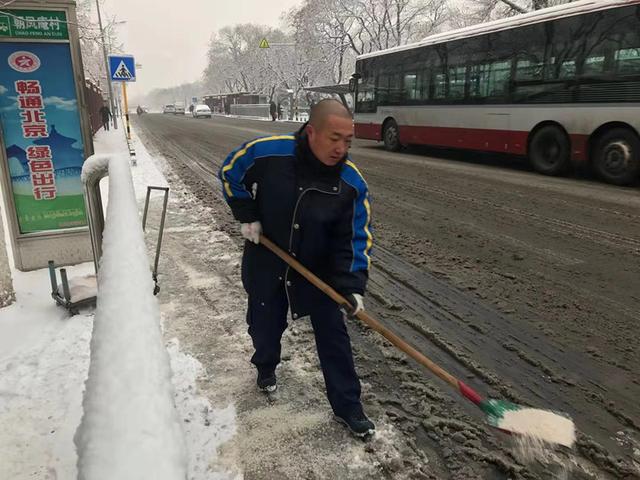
(106, 66)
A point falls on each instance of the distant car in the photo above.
(179, 108)
(201, 111)
(170, 108)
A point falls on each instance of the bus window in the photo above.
(489, 80)
(567, 69)
(560, 69)
(366, 96)
(411, 87)
(593, 65)
(456, 83)
(499, 75)
(528, 70)
(439, 86)
(628, 61)
(395, 89)
(382, 89)
(389, 89)
(424, 85)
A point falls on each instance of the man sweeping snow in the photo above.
(306, 195)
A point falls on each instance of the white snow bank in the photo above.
(206, 427)
(130, 428)
(43, 363)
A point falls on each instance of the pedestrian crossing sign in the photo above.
(264, 43)
(122, 68)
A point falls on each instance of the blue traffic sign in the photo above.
(122, 68)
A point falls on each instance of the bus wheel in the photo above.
(617, 156)
(549, 151)
(391, 136)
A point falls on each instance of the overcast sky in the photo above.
(169, 38)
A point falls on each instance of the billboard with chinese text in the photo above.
(42, 135)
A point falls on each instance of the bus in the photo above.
(560, 86)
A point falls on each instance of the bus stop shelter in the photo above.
(341, 89)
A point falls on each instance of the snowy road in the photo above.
(524, 286)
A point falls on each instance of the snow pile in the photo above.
(130, 428)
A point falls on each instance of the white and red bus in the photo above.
(560, 85)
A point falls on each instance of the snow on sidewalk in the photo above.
(44, 358)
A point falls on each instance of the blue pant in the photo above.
(267, 322)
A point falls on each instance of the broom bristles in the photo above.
(544, 425)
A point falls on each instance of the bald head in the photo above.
(330, 131)
(321, 111)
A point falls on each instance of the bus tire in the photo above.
(391, 136)
(617, 156)
(550, 150)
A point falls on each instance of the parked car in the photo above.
(179, 108)
(201, 111)
(170, 108)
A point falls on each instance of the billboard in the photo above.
(42, 135)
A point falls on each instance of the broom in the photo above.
(509, 417)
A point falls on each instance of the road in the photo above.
(525, 286)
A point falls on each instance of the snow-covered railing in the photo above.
(130, 428)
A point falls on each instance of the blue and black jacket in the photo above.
(319, 214)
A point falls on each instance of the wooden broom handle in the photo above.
(362, 315)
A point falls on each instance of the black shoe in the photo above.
(267, 381)
(358, 423)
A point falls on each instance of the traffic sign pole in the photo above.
(122, 68)
(126, 109)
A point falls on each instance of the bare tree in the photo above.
(91, 42)
(318, 45)
(342, 29)
(323, 36)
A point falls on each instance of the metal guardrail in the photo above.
(129, 364)
(93, 202)
(91, 178)
(156, 289)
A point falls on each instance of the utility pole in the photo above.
(106, 66)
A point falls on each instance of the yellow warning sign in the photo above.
(264, 43)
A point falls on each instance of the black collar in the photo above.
(309, 165)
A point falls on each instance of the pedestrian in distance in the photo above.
(309, 198)
(279, 111)
(273, 111)
(106, 116)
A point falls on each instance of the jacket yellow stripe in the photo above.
(369, 236)
(353, 165)
(240, 153)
